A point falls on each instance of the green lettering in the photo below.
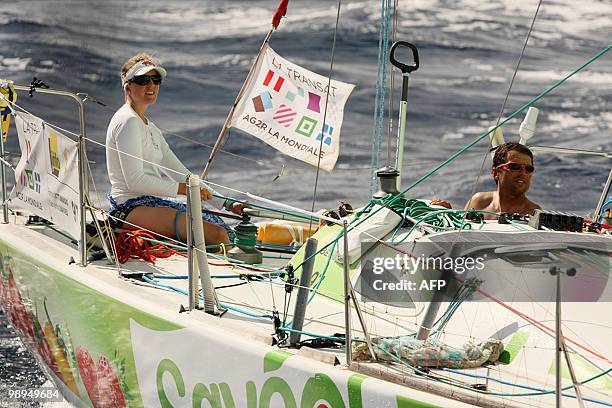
(354, 390)
(201, 393)
(251, 392)
(321, 387)
(273, 360)
(168, 366)
(276, 385)
(226, 393)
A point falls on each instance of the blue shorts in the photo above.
(120, 212)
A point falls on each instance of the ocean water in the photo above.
(468, 51)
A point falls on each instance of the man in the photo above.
(512, 171)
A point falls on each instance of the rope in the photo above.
(381, 86)
(467, 288)
(245, 238)
(527, 387)
(516, 112)
(224, 305)
(136, 244)
(329, 79)
(391, 87)
(518, 64)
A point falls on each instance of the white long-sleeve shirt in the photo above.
(137, 172)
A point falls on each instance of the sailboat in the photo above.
(398, 303)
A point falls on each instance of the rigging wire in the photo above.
(524, 316)
(224, 305)
(541, 95)
(329, 79)
(260, 163)
(462, 385)
(529, 103)
(527, 387)
(381, 87)
(503, 107)
(391, 87)
(518, 64)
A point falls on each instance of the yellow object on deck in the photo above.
(285, 232)
(7, 90)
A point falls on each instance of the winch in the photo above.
(245, 241)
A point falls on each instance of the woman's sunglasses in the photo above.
(512, 166)
(146, 80)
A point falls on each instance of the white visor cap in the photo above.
(141, 68)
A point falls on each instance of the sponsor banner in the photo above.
(46, 177)
(285, 105)
(226, 372)
(63, 181)
(30, 192)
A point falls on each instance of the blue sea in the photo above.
(468, 52)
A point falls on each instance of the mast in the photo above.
(280, 13)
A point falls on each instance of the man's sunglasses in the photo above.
(146, 80)
(512, 166)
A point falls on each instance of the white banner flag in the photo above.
(284, 106)
(46, 177)
(30, 192)
(63, 181)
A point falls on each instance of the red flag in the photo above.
(280, 13)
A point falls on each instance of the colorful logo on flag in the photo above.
(306, 126)
(28, 146)
(278, 84)
(291, 95)
(284, 115)
(31, 179)
(286, 106)
(326, 134)
(314, 102)
(53, 154)
(262, 102)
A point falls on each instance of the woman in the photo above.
(137, 184)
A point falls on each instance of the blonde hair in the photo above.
(133, 61)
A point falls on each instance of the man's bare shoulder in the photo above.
(480, 200)
(531, 207)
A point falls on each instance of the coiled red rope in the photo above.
(136, 245)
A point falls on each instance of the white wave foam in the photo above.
(562, 121)
(13, 64)
(549, 76)
(452, 136)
